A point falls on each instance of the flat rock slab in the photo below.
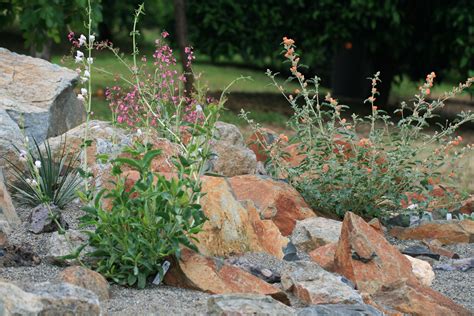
(340, 310)
(246, 304)
(447, 232)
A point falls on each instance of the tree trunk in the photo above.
(46, 50)
(181, 26)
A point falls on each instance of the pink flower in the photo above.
(165, 34)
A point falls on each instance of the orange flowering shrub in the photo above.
(369, 173)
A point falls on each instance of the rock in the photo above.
(234, 227)
(265, 274)
(246, 304)
(18, 256)
(8, 217)
(3, 239)
(39, 95)
(467, 206)
(275, 200)
(65, 299)
(324, 256)
(290, 252)
(232, 157)
(459, 264)
(41, 219)
(377, 226)
(264, 135)
(437, 247)
(14, 301)
(447, 232)
(422, 270)
(340, 310)
(384, 275)
(47, 299)
(213, 276)
(313, 285)
(10, 136)
(417, 251)
(59, 246)
(314, 232)
(86, 279)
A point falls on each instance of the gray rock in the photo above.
(340, 310)
(19, 256)
(42, 221)
(231, 155)
(315, 232)
(38, 95)
(14, 301)
(314, 285)
(246, 304)
(48, 299)
(65, 299)
(64, 244)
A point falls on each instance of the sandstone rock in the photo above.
(3, 239)
(38, 95)
(264, 135)
(437, 247)
(340, 310)
(422, 270)
(376, 225)
(324, 256)
(275, 200)
(47, 299)
(314, 232)
(380, 271)
(313, 285)
(41, 220)
(65, 299)
(234, 227)
(447, 232)
(232, 157)
(213, 276)
(467, 206)
(246, 304)
(86, 279)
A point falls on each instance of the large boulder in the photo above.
(383, 274)
(231, 155)
(234, 227)
(211, 275)
(311, 284)
(38, 95)
(447, 232)
(275, 200)
(315, 232)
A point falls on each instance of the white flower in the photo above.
(22, 155)
(91, 38)
(84, 91)
(198, 108)
(82, 40)
(87, 74)
(412, 206)
(78, 60)
(80, 97)
(33, 183)
(38, 164)
(139, 132)
(90, 60)
(84, 79)
(79, 54)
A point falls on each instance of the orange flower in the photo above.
(343, 121)
(369, 170)
(348, 126)
(348, 45)
(288, 41)
(283, 137)
(293, 69)
(374, 108)
(297, 91)
(364, 142)
(427, 91)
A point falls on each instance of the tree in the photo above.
(397, 37)
(43, 22)
(181, 27)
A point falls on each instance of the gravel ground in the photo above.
(457, 285)
(162, 300)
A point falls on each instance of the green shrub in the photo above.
(368, 165)
(44, 177)
(148, 221)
